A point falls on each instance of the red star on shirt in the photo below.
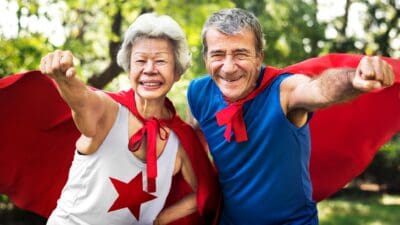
(130, 195)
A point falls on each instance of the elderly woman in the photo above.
(130, 148)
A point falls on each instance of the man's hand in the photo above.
(58, 65)
(373, 73)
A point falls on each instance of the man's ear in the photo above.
(260, 57)
(205, 61)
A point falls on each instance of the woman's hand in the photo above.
(58, 65)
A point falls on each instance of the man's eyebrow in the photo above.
(241, 50)
(237, 50)
(217, 51)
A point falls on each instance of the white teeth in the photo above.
(151, 84)
(231, 80)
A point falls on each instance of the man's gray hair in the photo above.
(151, 25)
(231, 22)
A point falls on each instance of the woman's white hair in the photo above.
(151, 25)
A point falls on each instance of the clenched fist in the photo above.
(58, 65)
(373, 73)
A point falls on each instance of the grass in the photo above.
(360, 208)
(348, 207)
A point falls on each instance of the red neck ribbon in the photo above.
(151, 128)
(232, 115)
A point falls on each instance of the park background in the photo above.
(294, 30)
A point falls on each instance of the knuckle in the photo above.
(65, 64)
(390, 67)
(375, 60)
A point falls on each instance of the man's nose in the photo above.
(229, 65)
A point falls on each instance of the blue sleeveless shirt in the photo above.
(264, 180)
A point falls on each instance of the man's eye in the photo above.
(241, 56)
(217, 56)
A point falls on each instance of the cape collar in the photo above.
(152, 127)
(232, 115)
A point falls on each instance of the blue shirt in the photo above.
(264, 180)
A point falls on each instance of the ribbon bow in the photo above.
(232, 115)
(150, 128)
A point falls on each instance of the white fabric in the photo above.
(89, 192)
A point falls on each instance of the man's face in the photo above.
(232, 62)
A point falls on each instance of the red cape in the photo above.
(207, 183)
(38, 138)
(346, 137)
(38, 142)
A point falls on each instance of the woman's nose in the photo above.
(149, 67)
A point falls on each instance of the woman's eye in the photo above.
(140, 62)
(161, 62)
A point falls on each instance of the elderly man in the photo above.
(256, 121)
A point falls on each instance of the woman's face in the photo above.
(152, 68)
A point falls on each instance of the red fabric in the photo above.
(207, 184)
(38, 138)
(344, 137)
(38, 141)
(232, 119)
(232, 115)
(150, 128)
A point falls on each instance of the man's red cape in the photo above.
(346, 137)
(38, 138)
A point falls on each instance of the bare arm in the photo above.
(88, 107)
(301, 94)
(332, 86)
(186, 205)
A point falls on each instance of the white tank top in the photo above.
(106, 186)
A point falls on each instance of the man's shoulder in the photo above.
(198, 94)
(203, 83)
(202, 80)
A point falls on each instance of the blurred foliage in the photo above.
(28, 53)
(11, 215)
(354, 207)
(93, 30)
(385, 168)
(3, 198)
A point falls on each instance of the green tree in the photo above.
(93, 30)
(380, 22)
(291, 28)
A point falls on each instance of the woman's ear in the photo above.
(177, 77)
